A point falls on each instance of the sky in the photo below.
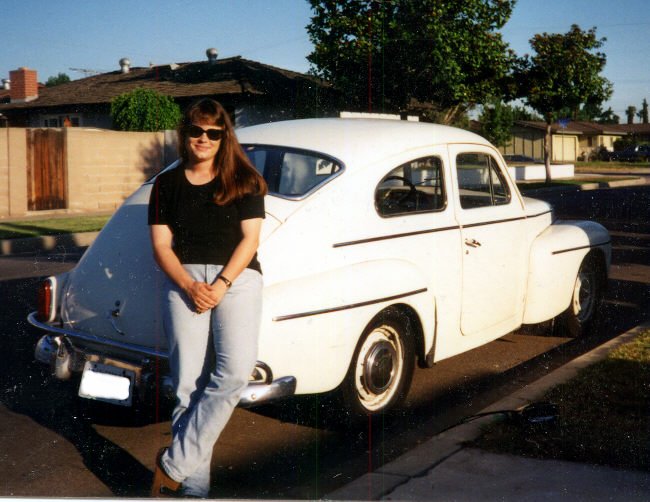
(66, 36)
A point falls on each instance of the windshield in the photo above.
(292, 173)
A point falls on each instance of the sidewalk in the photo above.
(46, 243)
(445, 469)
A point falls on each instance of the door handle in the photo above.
(473, 243)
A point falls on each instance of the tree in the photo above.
(592, 112)
(630, 112)
(608, 117)
(61, 78)
(434, 57)
(496, 121)
(563, 73)
(523, 113)
(643, 114)
(144, 110)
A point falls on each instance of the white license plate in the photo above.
(103, 382)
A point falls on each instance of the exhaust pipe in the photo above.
(46, 349)
(56, 352)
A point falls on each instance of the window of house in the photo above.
(480, 181)
(61, 121)
(414, 187)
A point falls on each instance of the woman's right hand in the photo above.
(202, 296)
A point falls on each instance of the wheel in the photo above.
(587, 296)
(382, 367)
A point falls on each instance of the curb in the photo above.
(428, 455)
(46, 243)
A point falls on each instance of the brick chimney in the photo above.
(24, 85)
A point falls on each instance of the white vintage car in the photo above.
(385, 244)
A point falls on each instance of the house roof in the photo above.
(584, 127)
(185, 80)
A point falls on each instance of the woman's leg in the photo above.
(235, 331)
(189, 342)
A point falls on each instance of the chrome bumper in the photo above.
(261, 393)
(46, 350)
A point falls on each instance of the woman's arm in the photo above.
(199, 292)
(241, 256)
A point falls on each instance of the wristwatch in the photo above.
(226, 280)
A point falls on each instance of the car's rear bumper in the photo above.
(82, 345)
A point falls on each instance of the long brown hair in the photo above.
(235, 173)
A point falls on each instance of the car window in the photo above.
(413, 187)
(291, 173)
(480, 181)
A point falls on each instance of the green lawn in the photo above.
(53, 226)
(534, 185)
(604, 415)
(603, 165)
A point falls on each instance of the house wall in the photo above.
(592, 144)
(102, 167)
(530, 142)
(526, 142)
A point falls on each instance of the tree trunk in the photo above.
(547, 150)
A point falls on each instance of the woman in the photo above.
(205, 217)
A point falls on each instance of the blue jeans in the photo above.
(211, 357)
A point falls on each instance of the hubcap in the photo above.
(379, 367)
(584, 296)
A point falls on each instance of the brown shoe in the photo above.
(163, 486)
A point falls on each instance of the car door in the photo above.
(492, 222)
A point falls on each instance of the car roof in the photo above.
(355, 141)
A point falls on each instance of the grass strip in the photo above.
(604, 415)
(605, 165)
(54, 226)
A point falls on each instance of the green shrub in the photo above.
(144, 110)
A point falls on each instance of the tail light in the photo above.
(45, 296)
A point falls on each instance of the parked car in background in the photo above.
(386, 244)
(520, 159)
(633, 153)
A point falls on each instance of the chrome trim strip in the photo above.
(494, 222)
(589, 246)
(433, 230)
(348, 307)
(539, 214)
(31, 318)
(394, 236)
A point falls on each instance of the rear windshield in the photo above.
(292, 173)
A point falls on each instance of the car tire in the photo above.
(588, 291)
(381, 369)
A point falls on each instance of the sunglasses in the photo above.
(194, 131)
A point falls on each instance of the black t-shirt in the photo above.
(203, 231)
